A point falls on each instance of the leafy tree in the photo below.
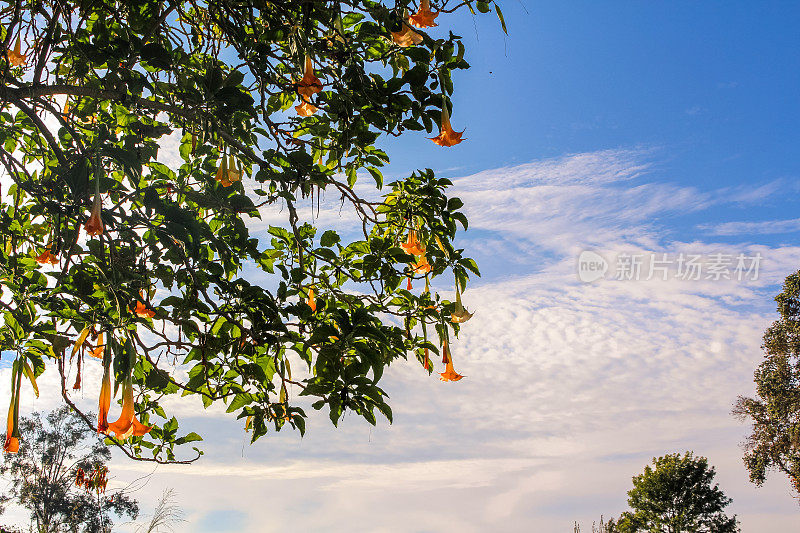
(676, 496)
(60, 476)
(775, 411)
(155, 270)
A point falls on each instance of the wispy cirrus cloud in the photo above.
(765, 227)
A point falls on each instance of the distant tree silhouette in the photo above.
(61, 475)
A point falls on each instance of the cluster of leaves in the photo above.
(42, 476)
(775, 411)
(103, 82)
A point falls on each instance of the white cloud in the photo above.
(766, 227)
(571, 388)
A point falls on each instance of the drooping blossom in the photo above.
(449, 373)
(422, 266)
(459, 314)
(234, 169)
(228, 173)
(15, 56)
(309, 85)
(142, 311)
(47, 258)
(406, 36)
(11, 444)
(305, 109)
(77, 384)
(312, 300)
(447, 137)
(94, 226)
(99, 347)
(127, 424)
(412, 246)
(424, 17)
(105, 399)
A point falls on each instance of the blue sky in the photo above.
(619, 127)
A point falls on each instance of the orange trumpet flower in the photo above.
(142, 311)
(99, 347)
(105, 399)
(11, 444)
(422, 266)
(305, 109)
(94, 226)
(449, 374)
(47, 258)
(460, 314)
(447, 137)
(312, 301)
(127, 424)
(424, 17)
(15, 56)
(406, 36)
(310, 84)
(228, 173)
(412, 246)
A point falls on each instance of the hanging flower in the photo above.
(406, 36)
(127, 424)
(105, 399)
(234, 169)
(15, 56)
(449, 373)
(222, 173)
(312, 300)
(412, 246)
(228, 173)
(77, 384)
(47, 258)
(424, 17)
(141, 310)
(99, 347)
(11, 444)
(422, 266)
(80, 477)
(310, 84)
(94, 226)
(305, 109)
(447, 137)
(459, 314)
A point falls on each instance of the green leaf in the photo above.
(500, 16)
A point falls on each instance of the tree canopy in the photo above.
(774, 443)
(156, 270)
(674, 496)
(60, 476)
